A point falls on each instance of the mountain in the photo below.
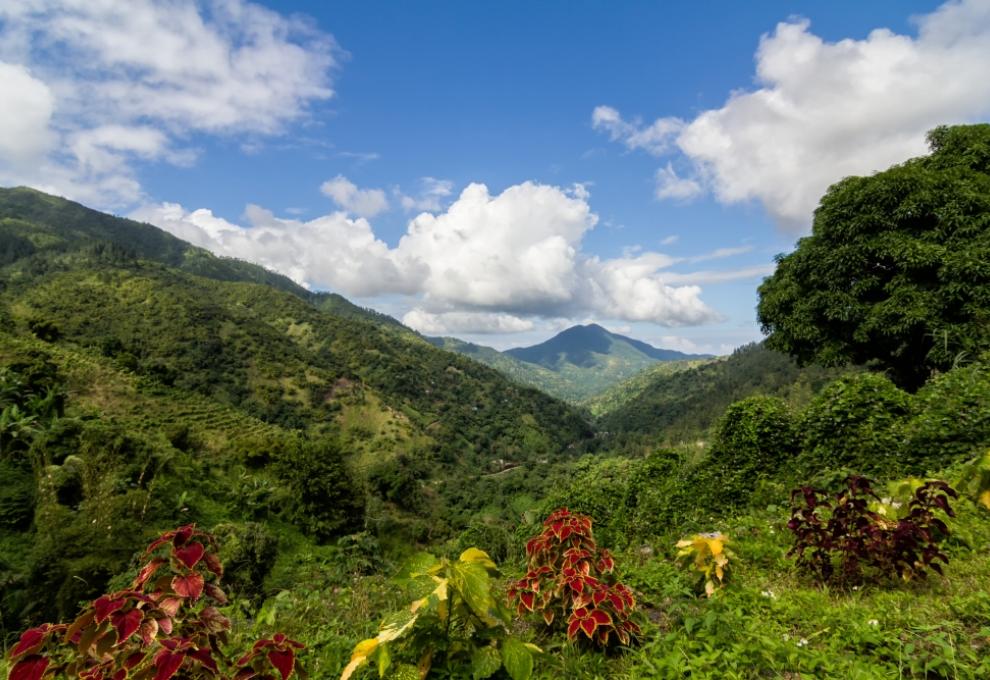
(584, 361)
(593, 346)
(252, 339)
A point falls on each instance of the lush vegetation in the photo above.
(395, 510)
(895, 271)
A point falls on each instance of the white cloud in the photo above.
(333, 251)
(720, 253)
(346, 194)
(464, 322)
(670, 185)
(113, 83)
(655, 138)
(26, 107)
(670, 240)
(827, 110)
(432, 195)
(486, 264)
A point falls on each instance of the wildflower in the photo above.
(803, 642)
(769, 594)
(873, 622)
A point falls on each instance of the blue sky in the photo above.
(493, 171)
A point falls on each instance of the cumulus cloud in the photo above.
(440, 323)
(824, 111)
(91, 87)
(346, 194)
(26, 108)
(486, 264)
(432, 195)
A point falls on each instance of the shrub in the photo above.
(845, 532)
(855, 422)
(166, 624)
(756, 437)
(325, 501)
(569, 580)
(459, 626)
(976, 480)
(950, 418)
(708, 555)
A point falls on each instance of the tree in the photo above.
(896, 272)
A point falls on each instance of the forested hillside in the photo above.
(324, 491)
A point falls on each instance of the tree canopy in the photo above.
(896, 271)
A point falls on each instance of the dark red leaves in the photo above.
(161, 629)
(148, 571)
(31, 667)
(125, 623)
(190, 554)
(106, 605)
(565, 580)
(31, 640)
(283, 661)
(188, 585)
(167, 663)
(836, 540)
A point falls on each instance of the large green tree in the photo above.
(896, 272)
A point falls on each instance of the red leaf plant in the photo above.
(838, 539)
(166, 625)
(569, 580)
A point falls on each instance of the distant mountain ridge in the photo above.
(576, 364)
(584, 345)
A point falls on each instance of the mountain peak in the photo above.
(592, 345)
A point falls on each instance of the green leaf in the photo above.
(518, 659)
(474, 555)
(384, 660)
(474, 585)
(484, 662)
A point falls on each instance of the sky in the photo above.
(491, 171)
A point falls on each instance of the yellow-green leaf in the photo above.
(518, 659)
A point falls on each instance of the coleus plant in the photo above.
(165, 625)
(836, 539)
(569, 581)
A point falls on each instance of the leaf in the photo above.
(474, 584)
(190, 554)
(359, 656)
(384, 660)
(517, 658)
(31, 641)
(190, 585)
(984, 498)
(484, 662)
(479, 557)
(125, 623)
(29, 668)
(167, 663)
(284, 660)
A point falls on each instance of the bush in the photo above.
(844, 532)
(166, 624)
(756, 437)
(855, 422)
(325, 500)
(458, 626)
(569, 581)
(950, 419)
